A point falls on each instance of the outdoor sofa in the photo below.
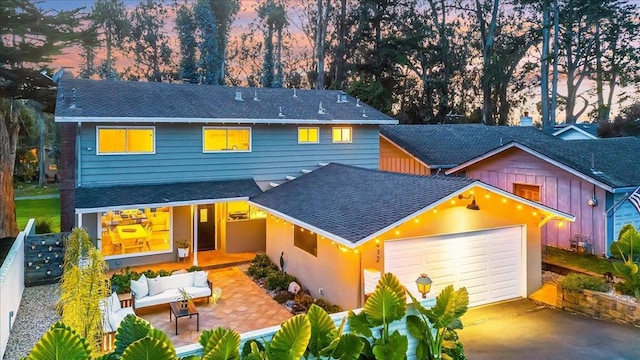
(165, 289)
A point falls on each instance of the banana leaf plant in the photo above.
(289, 342)
(60, 342)
(387, 304)
(431, 326)
(628, 247)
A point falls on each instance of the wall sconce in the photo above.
(473, 205)
(424, 285)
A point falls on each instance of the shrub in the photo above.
(327, 306)
(194, 268)
(262, 260)
(43, 225)
(579, 282)
(261, 266)
(121, 281)
(279, 280)
(283, 296)
(303, 302)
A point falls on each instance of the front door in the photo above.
(206, 227)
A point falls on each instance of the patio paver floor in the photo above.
(243, 307)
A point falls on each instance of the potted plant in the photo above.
(183, 247)
(183, 298)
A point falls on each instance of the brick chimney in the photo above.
(67, 175)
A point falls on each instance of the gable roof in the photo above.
(609, 163)
(587, 130)
(353, 205)
(445, 146)
(100, 198)
(128, 101)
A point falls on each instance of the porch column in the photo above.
(195, 234)
(79, 221)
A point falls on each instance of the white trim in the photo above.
(573, 127)
(333, 140)
(531, 152)
(152, 152)
(227, 128)
(552, 212)
(309, 128)
(133, 119)
(150, 205)
(406, 152)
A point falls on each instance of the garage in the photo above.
(489, 263)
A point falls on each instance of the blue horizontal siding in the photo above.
(275, 154)
(624, 214)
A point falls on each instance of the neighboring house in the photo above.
(146, 164)
(587, 178)
(339, 226)
(432, 149)
(581, 131)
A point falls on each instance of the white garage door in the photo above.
(488, 263)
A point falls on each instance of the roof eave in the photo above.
(133, 119)
(572, 127)
(151, 205)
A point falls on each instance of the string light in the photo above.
(504, 201)
(519, 207)
(435, 210)
(397, 232)
(416, 220)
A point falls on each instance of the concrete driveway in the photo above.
(521, 329)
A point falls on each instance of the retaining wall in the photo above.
(600, 305)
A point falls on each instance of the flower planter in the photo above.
(183, 252)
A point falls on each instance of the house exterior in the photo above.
(590, 179)
(144, 165)
(432, 149)
(339, 227)
(580, 131)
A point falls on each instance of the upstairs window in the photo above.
(308, 135)
(341, 135)
(126, 140)
(527, 191)
(220, 139)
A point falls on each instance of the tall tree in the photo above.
(274, 17)
(320, 41)
(487, 29)
(148, 42)
(208, 44)
(186, 27)
(224, 12)
(110, 18)
(29, 37)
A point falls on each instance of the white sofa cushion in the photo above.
(200, 278)
(140, 287)
(105, 309)
(171, 295)
(116, 317)
(156, 285)
(177, 281)
(115, 302)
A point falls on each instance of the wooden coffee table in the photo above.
(189, 311)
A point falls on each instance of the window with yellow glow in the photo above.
(341, 135)
(135, 232)
(529, 192)
(308, 135)
(129, 140)
(218, 139)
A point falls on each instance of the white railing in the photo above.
(12, 285)
(267, 333)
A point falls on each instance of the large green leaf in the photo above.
(628, 243)
(132, 328)
(450, 305)
(222, 344)
(290, 342)
(321, 329)
(384, 306)
(346, 347)
(359, 324)
(149, 349)
(162, 336)
(395, 348)
(60, 342)
(392, 282)
(416, 327)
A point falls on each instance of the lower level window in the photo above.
(135, 231)
(305, 240)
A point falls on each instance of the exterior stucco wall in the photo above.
(559, 189)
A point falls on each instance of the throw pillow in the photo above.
(115, 302)
(139, 287)
(200, 278)
(155, 286)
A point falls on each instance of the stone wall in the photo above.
(600, 305)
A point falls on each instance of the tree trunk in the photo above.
(599, 72)
(554, 81)
(8, 136)
(544, 68)
(340, 50)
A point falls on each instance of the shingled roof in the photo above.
(354, 203)
(107, 100)
(445, 146)
(614, 162)
(163, 194)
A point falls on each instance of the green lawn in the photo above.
(45, 208)
(580, 260)
(31, 189)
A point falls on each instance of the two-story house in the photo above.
(147, 164)
(289, 172)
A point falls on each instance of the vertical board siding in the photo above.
(396, 160)
(275, 153)
(559, 190)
